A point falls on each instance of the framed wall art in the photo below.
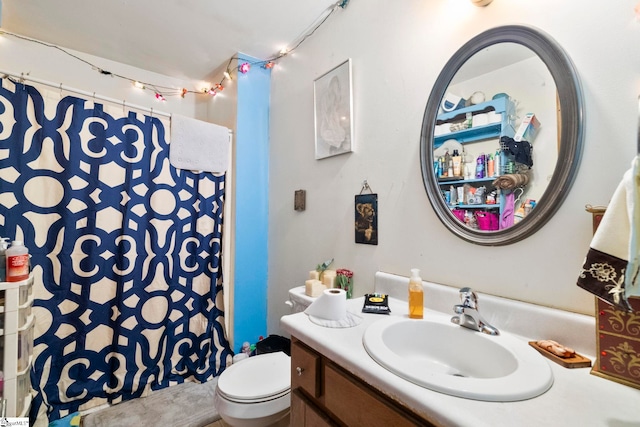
(333, 109)
(366, 218)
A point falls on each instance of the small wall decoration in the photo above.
(333, 104)
(300, 200)
(366, 217)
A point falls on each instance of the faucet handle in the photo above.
(468, 297)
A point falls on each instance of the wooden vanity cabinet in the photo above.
(324, 394)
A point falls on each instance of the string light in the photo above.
(161, 91)
(270, 62)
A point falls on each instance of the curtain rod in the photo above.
(93, 95)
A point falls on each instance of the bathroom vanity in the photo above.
(336, 382)
(324, 394)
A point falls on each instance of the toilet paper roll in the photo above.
(480, 120)
(331, 305)
(494, 117)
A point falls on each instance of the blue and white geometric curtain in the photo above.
(126, 250)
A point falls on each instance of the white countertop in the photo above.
(576, 398)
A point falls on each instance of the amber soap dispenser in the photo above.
(416, 295)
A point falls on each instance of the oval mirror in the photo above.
(501, 136)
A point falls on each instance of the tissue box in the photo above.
(528, 128)
(618, 343)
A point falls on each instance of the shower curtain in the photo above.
(126, 250)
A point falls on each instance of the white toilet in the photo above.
(256, 392)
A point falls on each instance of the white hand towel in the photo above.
(199, 146)
(611, 265)
(632, 282)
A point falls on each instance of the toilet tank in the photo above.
(299, 300)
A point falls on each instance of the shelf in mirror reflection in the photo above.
(484, 206)
(492, 130)
(501, 109)
(460, 180)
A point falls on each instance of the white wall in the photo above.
(398, 49)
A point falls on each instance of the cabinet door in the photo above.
(357, 404)
(305, 369)
(305, 414)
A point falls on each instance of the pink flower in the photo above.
(344, 272)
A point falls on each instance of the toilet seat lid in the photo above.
(257, 378)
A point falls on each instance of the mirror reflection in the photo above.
(496, 137)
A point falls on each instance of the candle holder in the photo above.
(344, 280)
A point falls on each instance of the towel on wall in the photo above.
(632, 282)
(610, 270)
(199, 146)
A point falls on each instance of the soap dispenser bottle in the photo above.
(416, 295)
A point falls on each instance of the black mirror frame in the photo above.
(571, 133)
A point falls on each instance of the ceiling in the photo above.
(179, 38)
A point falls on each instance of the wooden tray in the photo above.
(576, 361)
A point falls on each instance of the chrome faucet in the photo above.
(467, 313)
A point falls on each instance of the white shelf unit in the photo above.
(16, 336)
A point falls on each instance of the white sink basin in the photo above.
(439, 355)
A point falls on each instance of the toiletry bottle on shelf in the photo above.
(416, 295)
(480, 166)
(17, 262)
(457, 163)
(4, 244)
(518, 215)
(447, 165)
(453, 198)
(496, 163)
(467, 171)
(490, 165)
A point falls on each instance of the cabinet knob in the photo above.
(299, 370)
